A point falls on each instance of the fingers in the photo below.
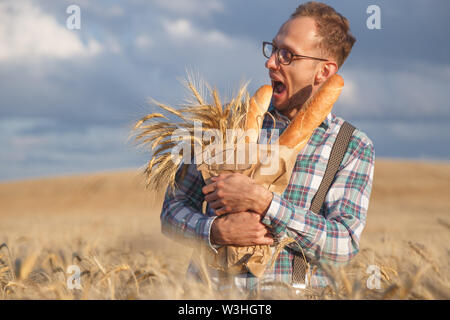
(222, 211)
(214, 197)
(220, 207)
(211, 197)
(258, 232)
(267, 240)
(214, 184)
(221, 177)
(209, 188)
(242, 229)
(262, 238)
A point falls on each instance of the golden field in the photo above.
(108, 225)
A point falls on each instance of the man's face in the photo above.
(294, 83)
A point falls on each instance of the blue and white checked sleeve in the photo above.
(181, 215)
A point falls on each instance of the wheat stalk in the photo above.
(423, 254)
(207, 109)
(27, 266)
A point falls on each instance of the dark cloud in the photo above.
(73, 114)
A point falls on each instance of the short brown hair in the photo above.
(334, 29)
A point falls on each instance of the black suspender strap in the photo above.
(336, 157)
(338, 150)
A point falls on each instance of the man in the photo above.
(308, 49)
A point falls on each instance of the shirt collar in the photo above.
(280, 117)
(325, 124)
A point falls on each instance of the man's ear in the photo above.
(326, 70)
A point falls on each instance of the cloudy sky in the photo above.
(69, 97)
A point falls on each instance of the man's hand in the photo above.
(240, 229)
(235, 192)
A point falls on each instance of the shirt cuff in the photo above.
(278, 215)
(207, 233)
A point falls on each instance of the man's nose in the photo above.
(272, 63)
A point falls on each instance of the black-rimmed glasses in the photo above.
(283, 55)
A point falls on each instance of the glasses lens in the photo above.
(267, 49)
(285, 56)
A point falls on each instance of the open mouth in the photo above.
(279, 89)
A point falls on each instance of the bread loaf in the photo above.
(258, 106)
(299, 131)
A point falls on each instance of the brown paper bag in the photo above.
(273, 169)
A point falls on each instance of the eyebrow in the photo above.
(285, 47)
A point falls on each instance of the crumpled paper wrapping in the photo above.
(272, 170)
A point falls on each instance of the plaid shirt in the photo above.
(332, 236)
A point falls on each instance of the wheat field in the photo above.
(107, 224)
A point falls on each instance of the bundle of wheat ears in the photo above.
(200, 108)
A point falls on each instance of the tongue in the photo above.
(279, 87)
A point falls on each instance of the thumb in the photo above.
(267, 240)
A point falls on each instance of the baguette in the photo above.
(299, 131)
(258, 106)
